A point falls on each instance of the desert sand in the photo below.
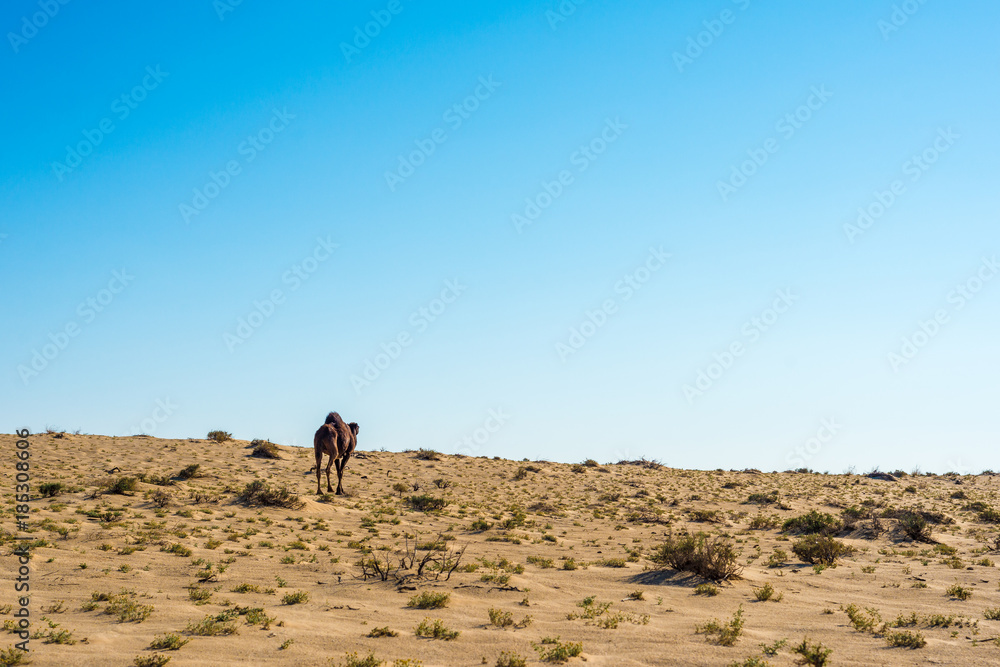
(545, 545)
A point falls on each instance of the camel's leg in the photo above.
(319, 465)
(340, 474)
(329, 487)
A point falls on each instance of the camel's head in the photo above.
(354, 427)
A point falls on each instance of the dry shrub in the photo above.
(260, 493)
(710, 558)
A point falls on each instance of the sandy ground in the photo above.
(543, 518)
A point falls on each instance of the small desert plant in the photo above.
(50, 489)
(213, 626)
(120, 485)
(766, 592)
(428, 455)
(11, 657)
(906, 639)
(863, 621)
(189, 472)
(709, 590)
(501, 618)
(813, 522)
(820, 549)
(725, 634)
(427, 503)
(219, 436)
(124, 606)
(156, 660)
(777, 559)
(815, 655)
(992, 614)
(265, 449)
(713, 559)
(510, 659)
(435, 630)
(260, 493)
(915, 526)
(552, 650)
(383, 632)
(958, 592)
(352, 660)
(168, 642)
(298, 597)
(429, 600)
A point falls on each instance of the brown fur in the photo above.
(338, 440)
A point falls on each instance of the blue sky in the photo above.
(727, 234)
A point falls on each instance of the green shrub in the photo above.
(915, 526)
(220, 436)
(189, 472)
(725, 634)
(298, 597)
(427, 503)
(959, 593)
(766, 592)
(706, 589)
(906, 639)
(120, 485)
(157, 660)
(713, 559)
(265, 449)
(428, 455)
(813, 522)
(383, 632)
(213, 626)
(50, 489)
(429, 600)
(260, 493)
(552, 650)
(820, 549)
(168, 642)
(510, 659)
(435, 630)
(815, 655)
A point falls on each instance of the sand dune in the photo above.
(547, 545)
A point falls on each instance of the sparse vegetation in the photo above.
(709, 558)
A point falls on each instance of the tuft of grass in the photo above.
(352, 660)
(219, 436)
(435, 630)
(429, 600)
(724, 634)
(992, 614)
(500, 618)
(126, 609)
(157, 660)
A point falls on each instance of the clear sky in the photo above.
(720, 234)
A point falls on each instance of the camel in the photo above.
(338, 440)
